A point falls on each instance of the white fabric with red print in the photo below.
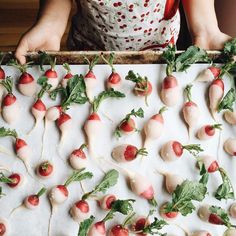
(124, 25)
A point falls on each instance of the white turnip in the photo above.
(208, 131)
(230, 146)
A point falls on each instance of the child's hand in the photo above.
(213, 41)
(40, 37)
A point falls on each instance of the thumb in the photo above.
(21, 51)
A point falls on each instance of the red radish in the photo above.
(10, 105)
(167, 215)
(22, 150)
(206, 215)
(90, 78)
(26, 82)
(230, 232)
(153, 128)
(4, 227)
(97, 229)
(127, 152)
(32, 201)
(67, 76)
(230, 146)
(216, 93)
(45, 170)
(53, 113)
(173, 150)
(127, 125)
(170, 91)
(2, 77)
(17, 180)
(143, 87)
(78, 159)
(200, 233)
(106, 201)
(139, 225)
(80, 211)
(114, 79)
(209, 74)
(190, 110)
(64, 123)
(118, 230)
(207, 131)
(230, 117)
(210, 163)
(93, 125)
(232, 210)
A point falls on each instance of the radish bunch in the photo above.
(45, 170)
(209, 74)
(230, 146)
(93, 124)
(26, 82)
(51, 75)
(78, 159)
(90, 78)
(191, 112)
(67, 76)
(10, 104)
(127, 125)
(23, 151)
(142, 87)
(80, 209)
(154, 127)
(32, 201)
(114, 79)
(127, 153)
(173, 150)
(208, 131)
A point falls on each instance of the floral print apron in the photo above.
(124, 25)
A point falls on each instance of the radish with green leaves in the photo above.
(68, 75)
(90, 78)
(80, 210)
(10, 104)
(139, 224)
(208, 131)
(154, 127)
(78, 159)
(127, 125)
(114, 79)
(191, 111)
(32, 201)
(210, 163)
(4, 227)
(209, 74)
(23, 151)
(127, 153)
(173, 150)
(93, 124)
(230, 146)
(216, 93)
(106, 201)
(170, 90)
(170, 215)
(122, 206)
(142, 87)
(13, 181)
(26, 82)
(45, 170)
(50, 74)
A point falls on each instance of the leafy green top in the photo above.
(75, 92)
(110, 60)
(78, 176)
(222, 214)
(187, 91)
(41, 192)
(67, 67)
(136, 78)
(194, 149)
(85, 225)
(16, 64)
(45, 58)
(110, 93)
(8, 132)
(154, 227)
(44, 86)
(7, 84)
(183, 196)
(91, 63)
(4, 179)
(228, 101)
(109, 180)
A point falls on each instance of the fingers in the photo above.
(21, 51)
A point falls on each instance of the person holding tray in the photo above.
(121, 25)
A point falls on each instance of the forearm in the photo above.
(55, 14)
(200, 16)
